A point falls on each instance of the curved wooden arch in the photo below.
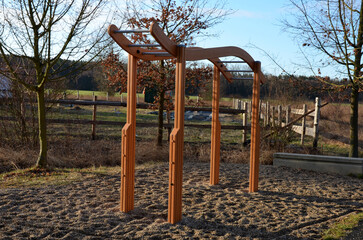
(181, 54)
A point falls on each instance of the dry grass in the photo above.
(335, 127)
(70, 145)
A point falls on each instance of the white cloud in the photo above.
(246, 14)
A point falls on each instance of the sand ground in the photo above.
(290, 204)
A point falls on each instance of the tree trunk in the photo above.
(353, 152)
(42, 158)
(159, 141)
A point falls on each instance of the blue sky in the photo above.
(259, 23)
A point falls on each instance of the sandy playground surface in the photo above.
(291, 204)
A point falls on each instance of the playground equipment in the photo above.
(167, 49)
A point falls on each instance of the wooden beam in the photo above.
(128, 141)
(216, 129)
(255, 131)
(177, 143)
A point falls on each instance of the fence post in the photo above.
(78, 94)
(288, 113)
(303, 124)
(267, 116)
(316, 122)
(244, 123)
(260, 110)
(121, 98)
(273, 116)
(94, 118)
(93, 95)
(279, 115)
(107, 96)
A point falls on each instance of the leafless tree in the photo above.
(36, 37)
(334, 28)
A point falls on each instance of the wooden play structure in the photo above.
(167, 49)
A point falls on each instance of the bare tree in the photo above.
(182, 21)
(334, 28)
(36, 37)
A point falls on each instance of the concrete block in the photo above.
(320, 163)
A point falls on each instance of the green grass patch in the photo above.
(343, 227)
(33, 177)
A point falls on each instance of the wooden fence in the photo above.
(279, 117)
(94, 122)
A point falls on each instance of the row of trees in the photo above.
(37, 38)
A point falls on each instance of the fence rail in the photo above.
(94, 122)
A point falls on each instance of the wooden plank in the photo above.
(297, 129)
(309, 131)
(297, 111)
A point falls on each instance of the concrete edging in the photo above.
(319, 163)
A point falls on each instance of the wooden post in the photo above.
(267, 114)
(93, 95)
(216, 130)
(279, 115)
(244, 123)
(255, 131)
(78, 94)
(273, 116)
(260, 114)
(303, 124)
(316, 122)
(128, 141)
(177, 143)
(94, 118)
(121, 98)
(107, 97)
(288, 114)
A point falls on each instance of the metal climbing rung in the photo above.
(239, 71)
(132, 31)
(241, 78)
(231, 62)
(144, 45)
(157, 53)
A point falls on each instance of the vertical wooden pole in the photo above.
(267, 114)
(78, 94)
(128, 141)
(316, 122)
(303, 124)
(107, 97)
(244, 122)
(216, 130)
(279, 115)
(255, 131)
(273, 116)
(177, 143)
(288, 113)
(94, 118)
(260, 108)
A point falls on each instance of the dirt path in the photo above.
(291, 204)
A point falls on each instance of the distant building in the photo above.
(5, 87)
